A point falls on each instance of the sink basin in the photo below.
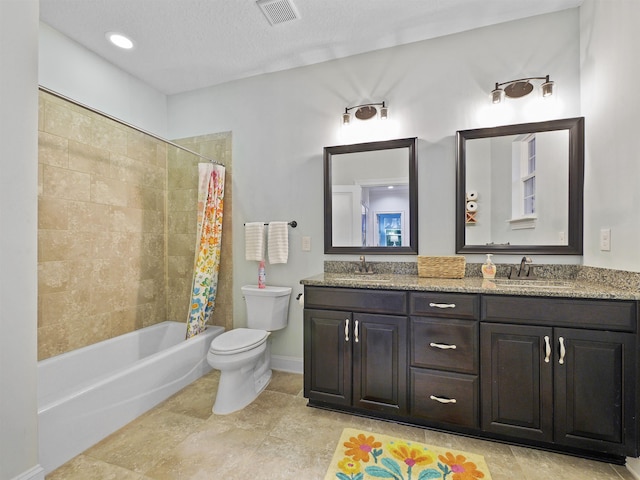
(542, 284)
(363, 279)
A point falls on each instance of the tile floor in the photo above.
(278, 437)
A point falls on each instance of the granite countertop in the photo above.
(500, 286)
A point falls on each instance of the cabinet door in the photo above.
(517, 381)
(327, 356)
(594, 390)
(380, 363)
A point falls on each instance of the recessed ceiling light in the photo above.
(119, 40)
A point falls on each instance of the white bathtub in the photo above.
(89, 393)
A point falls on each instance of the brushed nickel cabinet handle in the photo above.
(346, 330)
(442, 400)
(443, 305)
(442, 346)
(547, 348)
(355, 332)
(562, 351)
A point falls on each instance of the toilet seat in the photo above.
(237, 340)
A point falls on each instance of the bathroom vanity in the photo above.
(553, 366)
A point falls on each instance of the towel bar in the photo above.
(292, 224)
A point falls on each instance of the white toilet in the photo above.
(243, 354)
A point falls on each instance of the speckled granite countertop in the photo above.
(572, 288)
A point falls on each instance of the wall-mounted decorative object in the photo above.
(366, 111)
(520, 88)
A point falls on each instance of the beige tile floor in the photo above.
(278, 437)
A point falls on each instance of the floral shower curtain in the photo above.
(208, 243)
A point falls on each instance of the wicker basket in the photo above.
(441, 267)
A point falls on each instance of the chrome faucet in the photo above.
(524, 271)
(363, 268)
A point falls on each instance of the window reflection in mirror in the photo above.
(522, 197)
(371, 197)
(525, 183)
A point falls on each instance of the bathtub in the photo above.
(89, 393)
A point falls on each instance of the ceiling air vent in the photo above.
(278, 11)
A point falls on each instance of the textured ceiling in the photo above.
(182, 45)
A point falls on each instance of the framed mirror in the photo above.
(520, 188)
(371, 198)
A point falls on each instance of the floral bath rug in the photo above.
(364, 455)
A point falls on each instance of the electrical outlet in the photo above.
(563, 238)
(605, 239)
(306, 244)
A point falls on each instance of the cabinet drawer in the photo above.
(444, 344)
(355, 299)
(561, 312)
(445, 397)
(450, 305)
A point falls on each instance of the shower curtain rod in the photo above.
(122, 122)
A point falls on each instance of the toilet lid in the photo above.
(238, 340)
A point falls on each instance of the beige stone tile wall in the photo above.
(106, 261)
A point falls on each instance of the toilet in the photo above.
(243, 355)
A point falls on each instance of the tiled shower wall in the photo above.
(106, 243)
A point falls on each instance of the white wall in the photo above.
(609, 61)
(18, 239)
(282, 121)
(73, 71)
(609, 40)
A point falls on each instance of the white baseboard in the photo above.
(287, 364)
(35, 473)
(633, 465)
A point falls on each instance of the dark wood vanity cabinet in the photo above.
(558, 373)
(353, 358)
(444, 382)
(572, 384)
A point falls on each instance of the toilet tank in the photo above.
(267, 308)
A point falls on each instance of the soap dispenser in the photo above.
(488, 268)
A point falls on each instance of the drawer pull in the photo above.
(346, 330)
(355, 332)
(442, 400)
(562, 351)
(443, 305)
(442, 346)
(547, 349)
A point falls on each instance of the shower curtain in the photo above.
(208, 243)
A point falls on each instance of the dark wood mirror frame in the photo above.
(574, 246)
(329, 152)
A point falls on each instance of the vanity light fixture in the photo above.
(519, 88)
(366, 111)
(119, 40)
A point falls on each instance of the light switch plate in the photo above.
(605, 239)
(306, 244)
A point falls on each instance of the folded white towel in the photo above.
(278, 242)
(254, 241)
